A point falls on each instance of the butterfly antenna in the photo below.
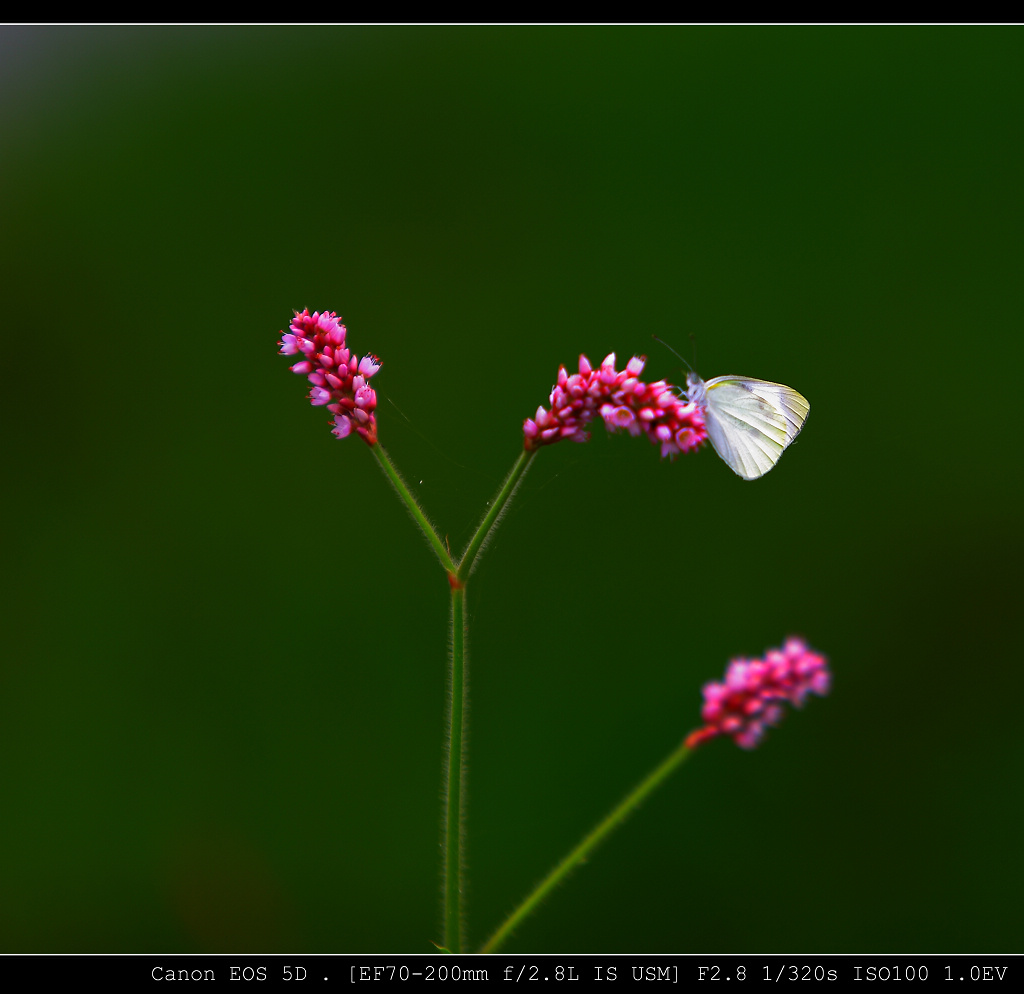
(673, 351)
(693, 342)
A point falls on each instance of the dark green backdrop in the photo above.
(223, 669)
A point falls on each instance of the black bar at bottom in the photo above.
(698, 970)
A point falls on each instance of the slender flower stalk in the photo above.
(590, 842)
(385, 463)
(455, 776)
(494, 513)
(750, 699)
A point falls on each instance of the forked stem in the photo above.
(455, 737)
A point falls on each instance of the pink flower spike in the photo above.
(752, 696)
(623, 401)
(338, 381)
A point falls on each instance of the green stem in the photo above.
(455, 768)
(493, 515)
(455, 760)
(414, 509)
(583, 850)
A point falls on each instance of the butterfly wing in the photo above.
(751, 422)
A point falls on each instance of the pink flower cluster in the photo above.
(754, 691)
(339, 380)
(624, 401)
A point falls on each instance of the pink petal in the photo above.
(369, 365)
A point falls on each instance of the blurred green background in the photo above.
(223, 643)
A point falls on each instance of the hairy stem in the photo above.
(494, 513)
(455, 777)
(414, 509)
(578, 855)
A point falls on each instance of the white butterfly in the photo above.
(750, 422)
